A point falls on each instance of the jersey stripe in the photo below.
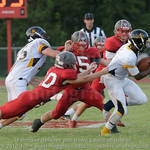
(119, 113)
(32, 62)
(42, 47)
(128, 47)
(127, 66)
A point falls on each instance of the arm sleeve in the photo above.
(133, 70)
(131, 67)
(112, 45)
(61, 48)
(108, 45)
(43, 44)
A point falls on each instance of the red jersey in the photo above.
(55, 77)
(112, 44)
(61, 48)
(51, 85)
(83, 61)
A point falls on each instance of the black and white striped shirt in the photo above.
(93, 34)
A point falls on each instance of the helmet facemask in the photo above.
(139, 38)
(99, 43)
(122, 30)
(80, 43)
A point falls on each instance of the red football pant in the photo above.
(25, 102)
(71, 95)
(96, 85)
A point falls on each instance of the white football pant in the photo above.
(126, 91)
(15, 87)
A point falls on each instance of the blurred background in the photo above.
(60, 18)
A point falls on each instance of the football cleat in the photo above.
(105, 131)
(72, 124)
(36, 125)
(115, 130)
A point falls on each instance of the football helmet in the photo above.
(35, 32)
(139, 38)
(122, 29)
(65, 60)
(80, 43)
(99, 43)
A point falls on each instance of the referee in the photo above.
(91, 31)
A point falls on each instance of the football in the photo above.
(144, 64)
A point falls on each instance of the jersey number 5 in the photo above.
(50, 80)
(83, 65)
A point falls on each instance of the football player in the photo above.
(80, 108)
(29, 61)
(64, 69)
(112, 44)
(122, 30)
(81, 92)
(84, 59)
(117, 83)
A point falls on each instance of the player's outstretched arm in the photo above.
(104, 61)
(87, 78)
(50, 52)
(91, 68)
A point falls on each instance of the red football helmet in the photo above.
(122, 29)
(99, 43)
(80, 42)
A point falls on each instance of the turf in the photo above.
(136, 134)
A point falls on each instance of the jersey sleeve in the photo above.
(133, 71)
(112, 44)
(130, 65)
(61, 48)
(43, 44)
(108, 45)
(69, 74)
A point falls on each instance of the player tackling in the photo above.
(116, 81)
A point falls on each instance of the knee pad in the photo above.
(108, 105)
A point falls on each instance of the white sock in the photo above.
(1, 126)
(70, 111)
(75, 117)
(114, 118)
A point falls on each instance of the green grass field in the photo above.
(136, 134)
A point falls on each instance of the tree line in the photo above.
(60, 18)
